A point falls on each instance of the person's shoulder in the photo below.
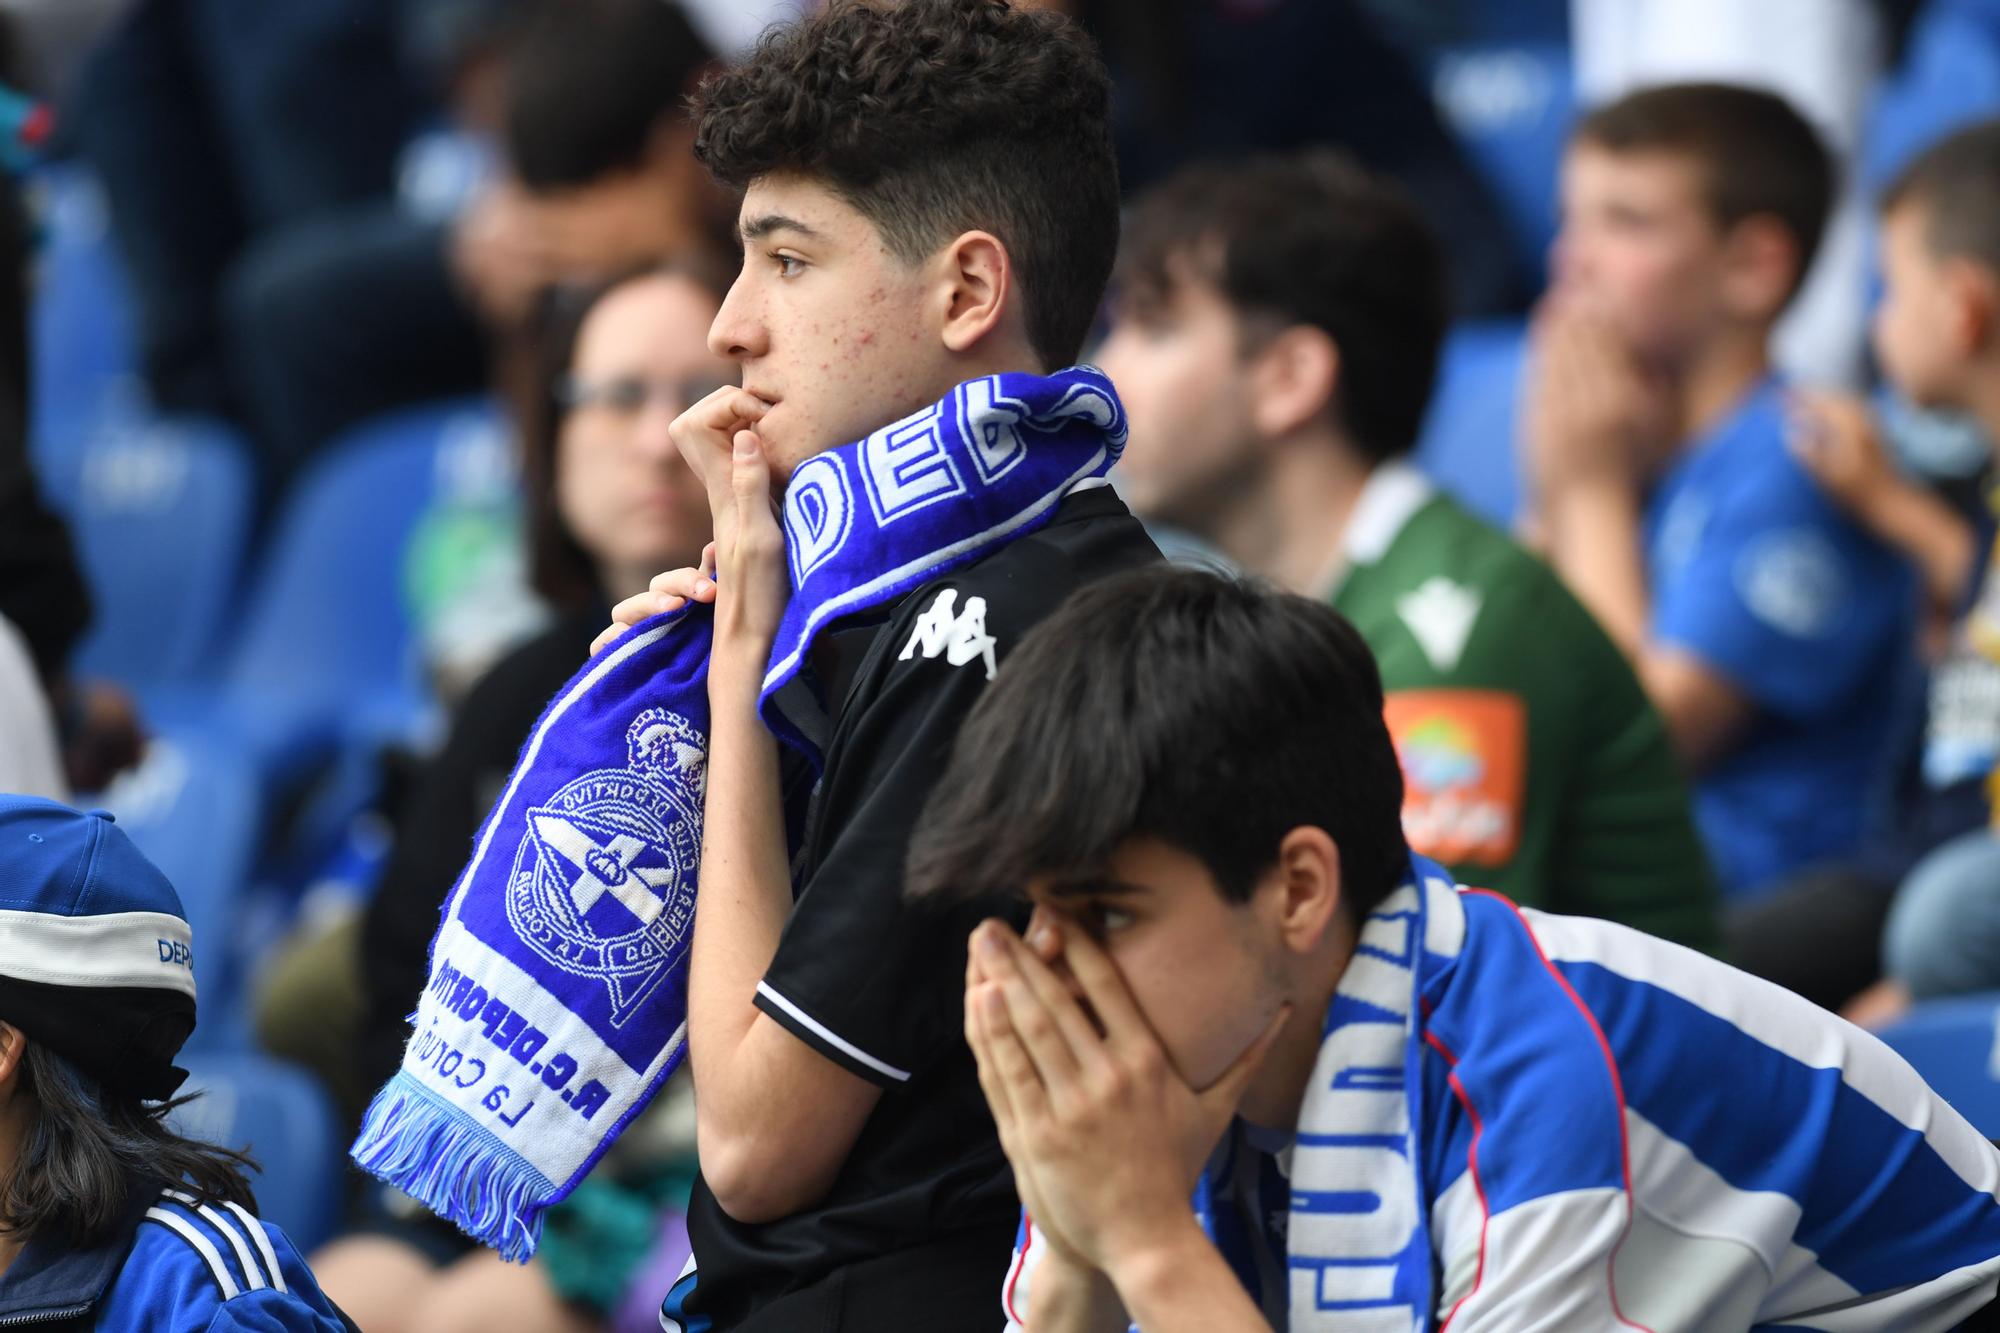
(1754, 469)
(1005, 594)
(1523, 606)
(191, 1260)
(542, 662)
(1454, 541)
(1090, 534)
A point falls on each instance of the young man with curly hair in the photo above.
(929, 198)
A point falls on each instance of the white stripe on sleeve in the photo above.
(185, 1230)
(831, 1037)
(258, 1234)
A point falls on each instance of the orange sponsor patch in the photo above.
(1464, 757)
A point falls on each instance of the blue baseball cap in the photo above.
(96, 957)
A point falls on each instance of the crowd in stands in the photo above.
(1629, 391)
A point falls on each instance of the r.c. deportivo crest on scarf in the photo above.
(556, 1004)
(603, 882)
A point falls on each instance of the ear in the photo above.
(1293, 379)
(1760, 267)
(977, 288)
(13, 1045)
(1973, 305)
(1309, 890)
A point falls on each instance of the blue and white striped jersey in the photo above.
(1618, 1133)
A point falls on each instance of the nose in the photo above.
(738, 333)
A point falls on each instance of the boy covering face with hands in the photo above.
(1255, 1066)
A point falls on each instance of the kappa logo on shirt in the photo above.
(1464, 759)
(960, 635)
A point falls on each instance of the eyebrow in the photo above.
(755, 229)
(1098, 886)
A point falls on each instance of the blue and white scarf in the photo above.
(1356, 1231)
(557, 999)
(1358, 1246)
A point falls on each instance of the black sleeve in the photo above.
(452, 796)
(873, 983)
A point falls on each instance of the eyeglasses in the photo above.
(628, 395)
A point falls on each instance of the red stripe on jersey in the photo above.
(1617, 1088)
(1471, 1165)
(1020, 1267)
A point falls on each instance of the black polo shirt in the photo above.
(919, 1224)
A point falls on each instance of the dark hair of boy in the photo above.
(1210, 713)
(909, 114)
(1307, 238)
(1957, 182)
(90, 1151)
(1757, 155)
(588, 82)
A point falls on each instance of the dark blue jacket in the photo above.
(172, 1266)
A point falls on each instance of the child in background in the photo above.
(1937, 335)
(1769, 628)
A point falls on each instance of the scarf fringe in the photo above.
(454, 1167)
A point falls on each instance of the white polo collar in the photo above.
(1391, 496)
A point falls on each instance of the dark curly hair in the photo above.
(933, 118)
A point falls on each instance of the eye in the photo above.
(789, 266)
(625, 395)
(1101, 920)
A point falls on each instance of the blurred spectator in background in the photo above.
(1275, 338)
(610, 504)
(599, 153)
(1770, 630)
(284, 278)
(45, 605)
(1824, 57)
(596, 174)
(30, 762)
(213, 123)
(48, 39)
(1211, 78)
(1937, 335)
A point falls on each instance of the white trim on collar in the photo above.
(1393, 493)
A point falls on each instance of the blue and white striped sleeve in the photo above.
(214, 1266)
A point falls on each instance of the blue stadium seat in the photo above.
(327, 656)
(1502, 78)
(1955, 1045)
(161, 512)
(196, 809)
(1949, 77)
(81, 329)
(285, 1119)
(1468, 441)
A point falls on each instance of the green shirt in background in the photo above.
(1533, 762)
